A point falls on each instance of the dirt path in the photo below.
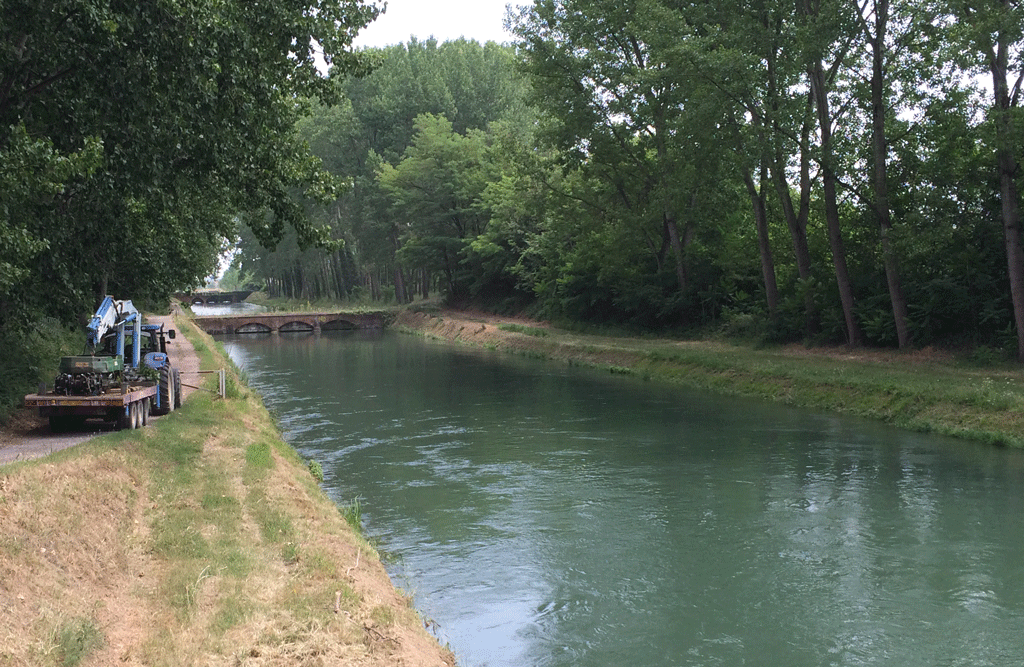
(28, 435)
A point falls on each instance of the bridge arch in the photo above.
(284, 322)
(338, 325)
(253, 327)
(298, 326)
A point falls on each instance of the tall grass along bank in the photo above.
(925, 391)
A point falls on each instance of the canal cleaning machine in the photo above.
(124, 376)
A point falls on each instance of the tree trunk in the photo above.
(1014, 251)
(796, 220)
(757, 201)
(399, 285)
(371, 277)
(677, 250)
(881, 186)
(1008, 192)
(832, 220)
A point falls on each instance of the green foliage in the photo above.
(233, 280)
(135, 136)
(259, 456)
(315, 470)
(435, 192)
(523, 329)
(33, 174)
(30, 355)
(275, 526)
(608, 168)
(440, 96)
(353, 514)
(75, 640)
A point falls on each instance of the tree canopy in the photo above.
(150, 128)
(814, 171)
(817, 170)
(135, 135)
(412, 139)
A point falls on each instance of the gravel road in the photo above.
(29, 437)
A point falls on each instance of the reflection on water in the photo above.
(545, 515)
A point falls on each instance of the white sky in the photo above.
(444, 19)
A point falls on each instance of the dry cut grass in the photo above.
(200, 540)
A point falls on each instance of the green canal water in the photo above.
(548, 515)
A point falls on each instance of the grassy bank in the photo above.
(202, 539)
(281, 305)
(925, 391)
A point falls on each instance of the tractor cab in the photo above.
(152, 345)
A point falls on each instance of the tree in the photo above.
(193, 103)
(134, 136)
(627, 109)
(876, 31)
(764, 75)
(32, 176)
(993, 32)
(827, 28)
(435, 192)
(371, 126)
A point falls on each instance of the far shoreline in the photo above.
(926, 391)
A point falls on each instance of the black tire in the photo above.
(177, 388)
(144, 412)
(166, 391)
(126, 419)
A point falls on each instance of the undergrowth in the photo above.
(74, 640)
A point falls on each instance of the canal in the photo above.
(548, 515)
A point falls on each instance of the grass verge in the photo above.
(922, 391)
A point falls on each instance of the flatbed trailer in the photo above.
(128, 406)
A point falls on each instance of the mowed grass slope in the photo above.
(201, 539)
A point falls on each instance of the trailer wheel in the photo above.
(126, 418)
(136, 410)
(144, 412)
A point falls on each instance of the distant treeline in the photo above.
(827, 171)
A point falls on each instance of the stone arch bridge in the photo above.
(284, 322)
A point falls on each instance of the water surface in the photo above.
(549, 515)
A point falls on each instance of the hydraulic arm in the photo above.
(113, 314)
